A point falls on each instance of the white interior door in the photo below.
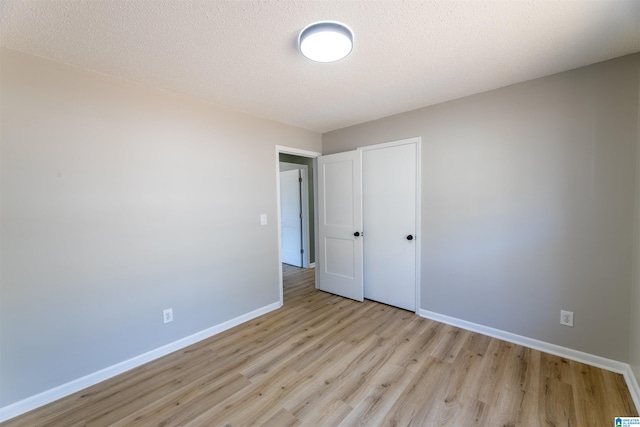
(291, 217)
(340, 225)
(389, 180)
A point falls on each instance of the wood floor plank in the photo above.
(325, 384)
(282, 418)
(413, 406)
(323, 360)
(449, 346)
(620, 396)
(556, 403)
(186, 403)
(331, 415)
(371, 409)
(591, 397)
(465, 371)
(487, 387)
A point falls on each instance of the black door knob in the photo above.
(409, 237)
(357, 233)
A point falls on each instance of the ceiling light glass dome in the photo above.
(325, 41)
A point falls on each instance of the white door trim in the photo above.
(418, 237)
(301, 153)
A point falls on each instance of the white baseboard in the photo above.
(632, 383)
(578, 356)
(312, 265)
(40, 399)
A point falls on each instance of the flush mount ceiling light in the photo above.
(325, 41)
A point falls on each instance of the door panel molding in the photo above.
(339, 212)
(417, 232)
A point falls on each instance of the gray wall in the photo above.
(289, 158)
(634, 332)
(527, 204)
(118, 202)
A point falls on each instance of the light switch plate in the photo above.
(263, 219)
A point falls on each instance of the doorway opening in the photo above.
(304, 162)
(296, 226)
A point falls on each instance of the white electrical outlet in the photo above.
(167, 315)
(566, 318)
(263, 219)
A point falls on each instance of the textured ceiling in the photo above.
(242, 54)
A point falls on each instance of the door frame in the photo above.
(301, 153)
(304, 201)
(418, 236)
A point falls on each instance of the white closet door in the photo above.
(290, 217)
(340, 225)
(389, 176)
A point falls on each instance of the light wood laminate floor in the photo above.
(323, 360)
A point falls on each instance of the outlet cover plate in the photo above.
(167, 315)
(566, 318)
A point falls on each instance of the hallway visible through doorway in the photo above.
(296, 280)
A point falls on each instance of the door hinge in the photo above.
(301, 251)
(299, 179)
